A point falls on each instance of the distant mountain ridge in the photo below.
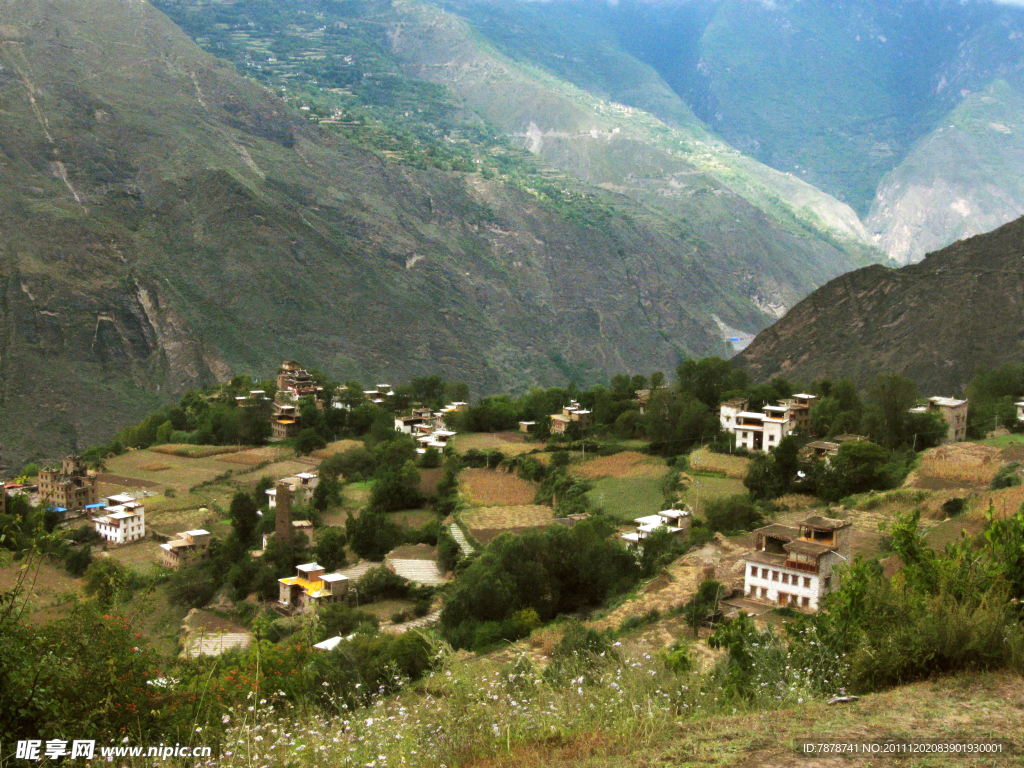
(935, 322)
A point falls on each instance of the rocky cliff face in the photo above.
(935, 322)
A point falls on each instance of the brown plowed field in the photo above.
(489, 487)
(625, 464)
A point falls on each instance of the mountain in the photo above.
(165, 221)
(935, 322)
(908, 111)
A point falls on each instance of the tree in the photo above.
(326, 494)
(330, 548)
(254, 422)
(890, 398)
(395, 489)
(734, 513)
(703, 604)
(244, 516)
(859, 466)
(709, 379)
(773, 475)
(372, 535)
(308, 441)
(108, 581)
(677, 422)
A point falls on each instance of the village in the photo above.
(371, 527)
(791, 565)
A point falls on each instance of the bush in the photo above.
(953, 507)
(421, 608)
(735, 513)
(1007, 476)
(399, 617)
(78, 560)
(381, 584)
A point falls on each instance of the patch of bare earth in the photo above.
(626, 464)
(489, 487)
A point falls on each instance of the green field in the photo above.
(626, 498)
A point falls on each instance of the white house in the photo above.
(123, 522)
(797, 567)
(672, 520)
(764, 431)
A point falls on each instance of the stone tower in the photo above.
(283, 517)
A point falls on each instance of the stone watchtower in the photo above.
(283, 517)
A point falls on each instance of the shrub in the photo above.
(953, 507)
(1007, 476)
(735, 513)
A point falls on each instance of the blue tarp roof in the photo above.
(95, 506)
(59, 509)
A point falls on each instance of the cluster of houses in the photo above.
(763, 430)
(428, 427)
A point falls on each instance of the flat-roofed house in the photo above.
(798, 410)
(311, 587)
(797, 567)
(70, 486)
(672, 520)
(729, 410)
(953, 411)
(122, 523)
(302, 486)
(572, 413)
(184, 548)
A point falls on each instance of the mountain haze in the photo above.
(907, 111)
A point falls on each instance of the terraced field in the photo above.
(488, 487)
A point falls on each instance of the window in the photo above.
(753, 571)
(785, 578)
(807, 582)
(764, 573)
(775, 575)
(764, 593)
(806, 602)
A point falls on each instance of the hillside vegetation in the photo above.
(166, 219)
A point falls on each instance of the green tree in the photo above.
(710, 379)
(330, 548)
(108, 581)
(733, 513)
(245, 516)
(859, 466)
(308, 441)
(890, 398)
